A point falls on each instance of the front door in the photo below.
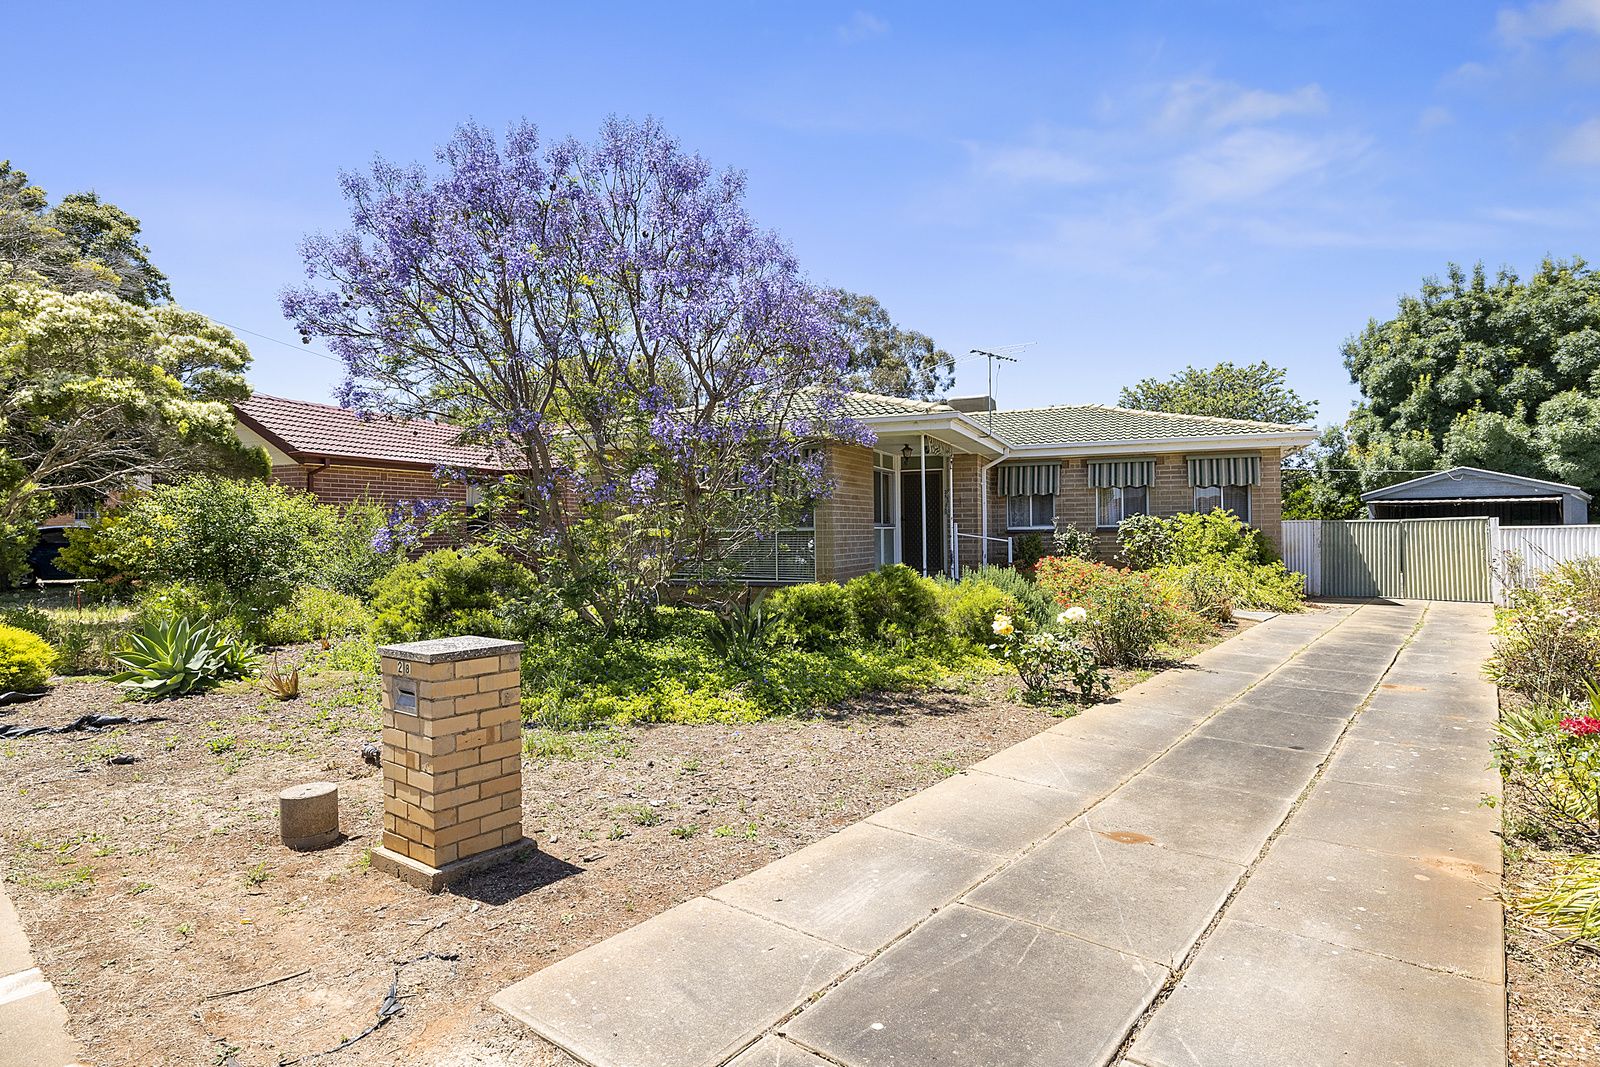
(914, 531)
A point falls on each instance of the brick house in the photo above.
(952, 485)
(945, 486)
(339, 457)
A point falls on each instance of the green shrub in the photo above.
(314, 614)
(448, 593)
(1547, 638)
(26, 661)
(85, 638)
(1036, 602)
(1131, 615)
(1191, 537)
(1029, 549)
(1554, 754)
(970, 606)
(894, 603)
(1069, 540)
(176, 656)
(252, 541)
(812, 616)
(1213, 561)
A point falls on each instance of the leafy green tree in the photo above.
(1254, 391)
(1501, 374)
(885, 358)
(96, 393)
(80, 245)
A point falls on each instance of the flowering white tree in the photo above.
(96, 392)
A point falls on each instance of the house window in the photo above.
(1114, 503)
(474, 495)
(1035, 511)
(1234, 498)
(883, 486)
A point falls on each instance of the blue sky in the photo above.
(1134, 187)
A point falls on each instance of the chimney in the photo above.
(972, 403)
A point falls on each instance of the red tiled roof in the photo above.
(313, 431)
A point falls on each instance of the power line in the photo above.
(274, 340)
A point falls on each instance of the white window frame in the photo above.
(1119, 494)
(885, 481)
(1034, 507)
(1216, 497)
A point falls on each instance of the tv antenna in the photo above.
(993, 357)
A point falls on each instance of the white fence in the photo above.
(1519, 554)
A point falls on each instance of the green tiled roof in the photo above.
(868, 405)
(1071, 424)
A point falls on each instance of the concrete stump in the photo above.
(308, 815)
(452, 758)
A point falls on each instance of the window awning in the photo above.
(1029, 479)
(1110, 473)
(1224, 470)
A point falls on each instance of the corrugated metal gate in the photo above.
(1417, 559)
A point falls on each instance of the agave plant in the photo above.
(174, 656)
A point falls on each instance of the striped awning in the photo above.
(1110, 473)
(1224, 470)
(1028, 479)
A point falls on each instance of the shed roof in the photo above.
(1473, 483)
(306, 430)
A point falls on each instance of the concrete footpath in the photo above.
(33, 1025)
(1273, 856)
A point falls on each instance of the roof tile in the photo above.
(326, 430)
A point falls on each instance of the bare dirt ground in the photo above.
(155, 891)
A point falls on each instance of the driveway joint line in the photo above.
(1182, 967)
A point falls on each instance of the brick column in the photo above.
(452, 758)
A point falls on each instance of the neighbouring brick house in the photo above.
(339, 457)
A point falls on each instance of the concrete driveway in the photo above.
(1275, 856)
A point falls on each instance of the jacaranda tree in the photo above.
(652, 367)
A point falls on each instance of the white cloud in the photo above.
(1550, 18)
(1431, 118)
(1581, 146)
(861, 26)
(1032, 164)
(1200, 103)
(1250, 163)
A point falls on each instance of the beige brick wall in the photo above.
(965, 473)
(342, 484)
(1170, 495)
(452, 772)
(845, 546)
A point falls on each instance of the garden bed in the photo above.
(1552, 989)
(148, 887)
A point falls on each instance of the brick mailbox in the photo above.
(452, 758)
